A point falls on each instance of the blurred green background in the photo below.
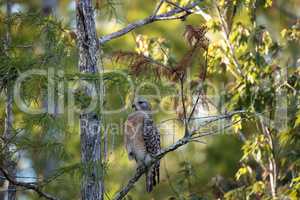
(49, 145)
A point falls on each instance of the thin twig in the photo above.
(186, 133)
(158, 7)
(105, 153)
(271, 159)
(177, 6)
(171, 15)
(203, 76)
(226, 33)
(9, 141)
(29, 186)
(209, 133)
(198, 141)
(217, 118)
(211, 117)
(194, 106)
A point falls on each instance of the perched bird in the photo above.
(142, 140)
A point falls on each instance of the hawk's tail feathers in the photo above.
(149, 181)
(152, 177)
(157, 165)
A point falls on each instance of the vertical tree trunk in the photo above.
(92, 185)
(9, 163)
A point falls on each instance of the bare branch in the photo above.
(30, 186)
(226, 33)
(194, 106)
(199, 135)
(216, 118)
(177, 6)
(184, 107)
(8, 160)
(158, 7)
(198, 141)
(272, 164)
(141, 170)
(200, 91)
(171, 15)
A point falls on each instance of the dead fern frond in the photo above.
(195, 36)
(140, 64)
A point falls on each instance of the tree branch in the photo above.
(186, 131)
(226, 33)
(200, 91)
(177, 6)
(30, 186)
(158, 7)
(141, 170)
(8, 160)
(171, 15)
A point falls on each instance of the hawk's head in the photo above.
(141, 104)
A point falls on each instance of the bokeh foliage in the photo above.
(251, 63)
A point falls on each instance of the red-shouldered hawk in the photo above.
(142, 140)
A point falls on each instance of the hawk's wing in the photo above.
(133, 135)
(152, 143)
(151, 136)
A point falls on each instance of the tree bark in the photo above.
(90, 131)
(9, 162)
